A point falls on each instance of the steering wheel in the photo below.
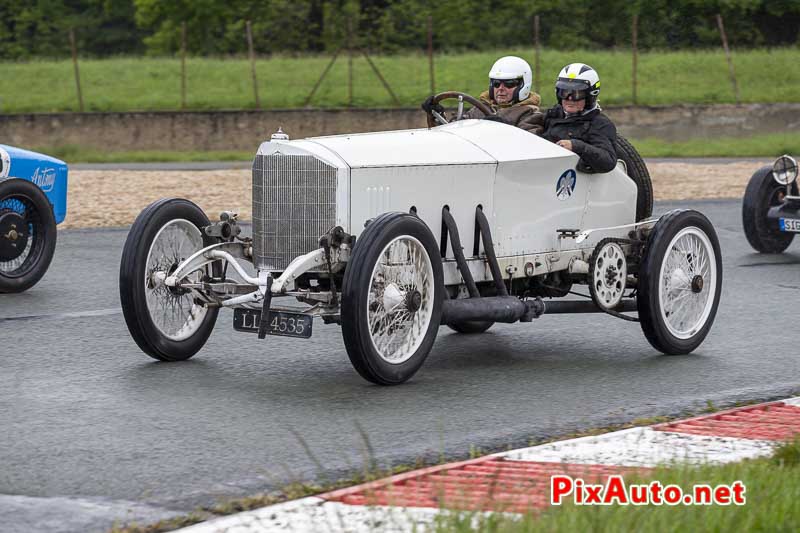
(435, 118)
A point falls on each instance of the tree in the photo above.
(39, 28)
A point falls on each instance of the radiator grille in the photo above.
(294, 203)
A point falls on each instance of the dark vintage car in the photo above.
(33, 200)
(771, 207)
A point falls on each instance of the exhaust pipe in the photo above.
(510, 309)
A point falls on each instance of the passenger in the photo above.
(509, 96)
(577, 124)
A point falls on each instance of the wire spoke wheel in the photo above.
(680, 282)
(27, 235)
(173, 312)
(392, 298)
(687, 282)
(400, 300)
(166, 322)
(20, 228)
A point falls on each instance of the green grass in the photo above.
(135, 84)
(772, 504)
(757, 146)
(771, 145)
(77, 154)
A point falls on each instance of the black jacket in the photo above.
(593, 137)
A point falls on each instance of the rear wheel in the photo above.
(680, 282)
(27, 235)
(392, 298)
(762, 193)
(638, 172)
(167, 323)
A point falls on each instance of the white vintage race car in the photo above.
(393, 234)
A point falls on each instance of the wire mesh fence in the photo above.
(351, 76)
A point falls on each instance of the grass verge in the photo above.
(79, 154)
(771, 145)
(131, 84)
(772, 492)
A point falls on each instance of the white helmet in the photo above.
(512, 68)
(577, 81)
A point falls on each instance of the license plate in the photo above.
(791, 225)
(280, 323)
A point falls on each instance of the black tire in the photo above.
(132, 288)
(471, 327)
(638, 172)
(26, 217)
(762, 193)
(649, 298)
(356, 286)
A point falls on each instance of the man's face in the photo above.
(503, 94)
(573, 106)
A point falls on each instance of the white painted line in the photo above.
(795, 402)
(318, 516)
(59, 316)
(645, 447)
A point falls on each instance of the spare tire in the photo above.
(637, 171)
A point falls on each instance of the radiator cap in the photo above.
(279, 136)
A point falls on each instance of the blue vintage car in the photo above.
(33, 199)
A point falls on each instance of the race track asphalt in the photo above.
(93, 431)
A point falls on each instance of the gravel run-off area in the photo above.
(101, 198)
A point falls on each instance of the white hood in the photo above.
(459, 143)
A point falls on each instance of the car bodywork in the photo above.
(528, 187)
(48, 173)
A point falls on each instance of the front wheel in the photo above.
(167, 323)
(762, 193)
(680, 282)
(392, 298)
(27, 235)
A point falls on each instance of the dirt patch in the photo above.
(99, 198)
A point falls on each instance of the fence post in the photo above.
(430, 54)
(349, 62)
(75, 65)
(634, 45)
(728, 57)
(253, 63)
(537, 52)
(183, 65)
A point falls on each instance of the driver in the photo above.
(509, 96)
(577, 124)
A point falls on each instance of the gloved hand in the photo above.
(429, 106)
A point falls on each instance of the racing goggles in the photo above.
(509, 84)
(567, 94)
(567, 89)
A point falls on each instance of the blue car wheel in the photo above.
(27, 235)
